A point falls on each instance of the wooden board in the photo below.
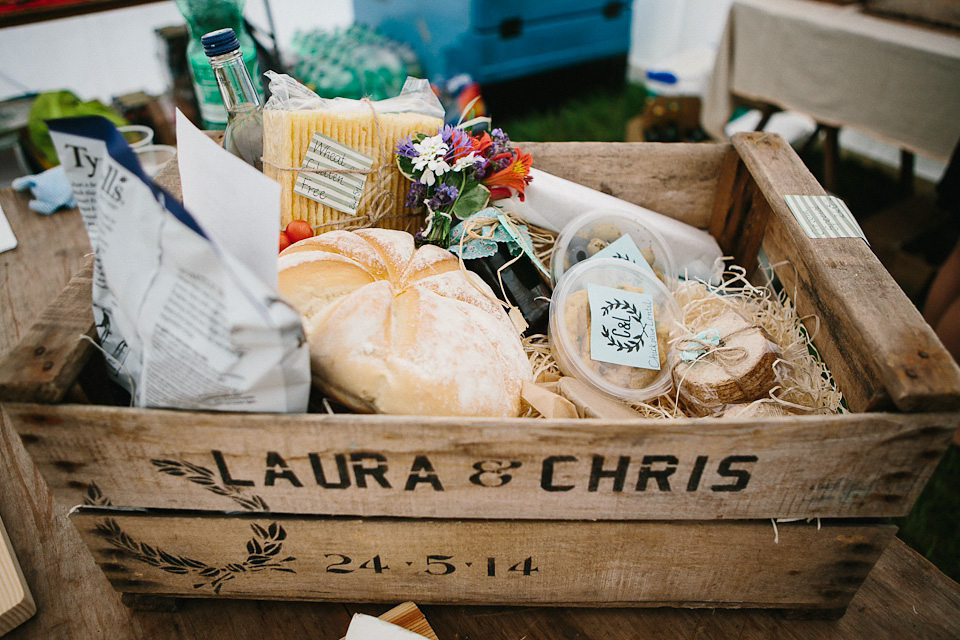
(677, 179)
(408, 616)
(16, 601)
(835, 466)
(45, 364)
(490, 562)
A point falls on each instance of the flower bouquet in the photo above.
(456, 173)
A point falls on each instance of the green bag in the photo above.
(61, 104)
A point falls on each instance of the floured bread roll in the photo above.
(395, 329)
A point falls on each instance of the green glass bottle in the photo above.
(204, 16)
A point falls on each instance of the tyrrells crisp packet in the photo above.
(183, 320)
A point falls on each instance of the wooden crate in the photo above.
(362, 508)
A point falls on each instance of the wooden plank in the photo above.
(872, 338)
(47, 361)
(677, 179)
(724, 564)
(16, 601)
(814, 466)
(740, 213)
(51, 251)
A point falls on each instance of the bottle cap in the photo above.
(219, 42)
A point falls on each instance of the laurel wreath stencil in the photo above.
(263, 550)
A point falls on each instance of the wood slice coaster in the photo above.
(739, 370)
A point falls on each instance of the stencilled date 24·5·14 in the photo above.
(434, 565)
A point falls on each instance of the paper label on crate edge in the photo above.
(622, 327)
(824, 217)
(625, 248)
(341, 187)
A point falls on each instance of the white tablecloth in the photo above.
(897, 82)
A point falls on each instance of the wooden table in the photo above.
(904, 596)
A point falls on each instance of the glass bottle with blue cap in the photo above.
(243, 135)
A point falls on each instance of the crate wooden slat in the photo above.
(445, 467)
(690, 564)
(652, 512)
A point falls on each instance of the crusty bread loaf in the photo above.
(395, 329)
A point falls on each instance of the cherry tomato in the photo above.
(299, 230)
(284, 241)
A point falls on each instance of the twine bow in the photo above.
(717, 353)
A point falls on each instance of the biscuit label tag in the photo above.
(340, 188)
(622, 327)
(824, 217)
(626, 249)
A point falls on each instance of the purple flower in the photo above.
(457, 141)
(418, 191)
(444, 195)
(405, 148)
(501, 143)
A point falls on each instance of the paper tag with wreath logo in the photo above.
(622, 327)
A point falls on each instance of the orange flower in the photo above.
(515, 175)
(481, 143)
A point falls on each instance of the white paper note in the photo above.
(244, 221)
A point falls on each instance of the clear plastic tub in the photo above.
(570, 329)
(590, 233)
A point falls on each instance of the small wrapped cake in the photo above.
(396, 329)
(732, 361)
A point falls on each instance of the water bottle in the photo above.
(204, 16)
(243, 134)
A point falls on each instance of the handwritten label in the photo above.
(824, 217)
(625, 248)
(338, 189)
(622, 327)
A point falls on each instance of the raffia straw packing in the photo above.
(292, 116)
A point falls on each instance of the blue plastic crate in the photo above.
(496, 40)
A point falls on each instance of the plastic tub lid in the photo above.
(627, 342)
(592, 234)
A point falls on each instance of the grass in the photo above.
(593, 103)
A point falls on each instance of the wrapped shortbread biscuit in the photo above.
(334, 158)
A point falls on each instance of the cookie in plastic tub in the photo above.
(611, 233)
(610, 326)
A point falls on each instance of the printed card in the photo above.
(622, 327)
(626, 249)
(340, 188)
(824, 217)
